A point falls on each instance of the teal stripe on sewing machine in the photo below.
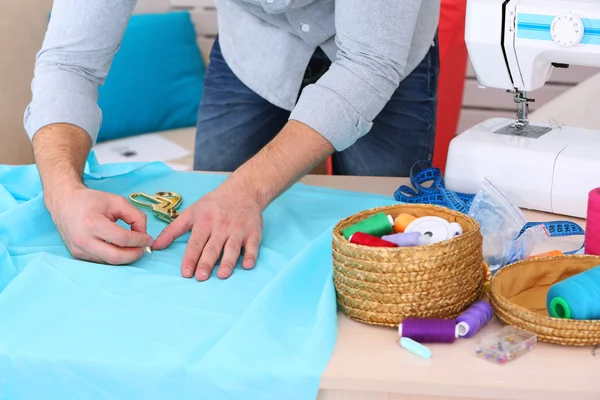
(537, 27)
(436, 193)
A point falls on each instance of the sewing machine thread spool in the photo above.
(365, 239)
(429, 330)
(474, 318)
(377, 225)
(576, 297)
(592, 229)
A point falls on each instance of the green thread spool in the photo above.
(560, 308)
(577, 297)
(377, 225)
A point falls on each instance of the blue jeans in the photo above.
(234, 123)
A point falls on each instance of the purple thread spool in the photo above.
(474, 318)
(409, 239)
(429, 330)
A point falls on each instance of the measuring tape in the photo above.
(437, 194)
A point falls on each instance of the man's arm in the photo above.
(60, 152)
(374, 39)
(80, 44)
(63, 120)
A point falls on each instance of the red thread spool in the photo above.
(592, 228)
(369, 240)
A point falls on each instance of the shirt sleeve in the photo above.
(374, 40)
(78, 49)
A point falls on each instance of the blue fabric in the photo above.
(234, 122)
(156, 79)
(78, 330)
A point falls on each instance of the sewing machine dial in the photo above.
(567, 30)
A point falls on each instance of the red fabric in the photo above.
(453, 68)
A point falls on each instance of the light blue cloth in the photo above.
(77, 330)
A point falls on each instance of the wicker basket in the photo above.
(518, 296)
(382, 286)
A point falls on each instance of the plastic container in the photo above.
(506, 344)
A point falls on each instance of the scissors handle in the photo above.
(150, 202)
(163, 204)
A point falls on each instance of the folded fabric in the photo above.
(78, 330)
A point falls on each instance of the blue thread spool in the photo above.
(577, 297)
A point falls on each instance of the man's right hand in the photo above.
(86, 220)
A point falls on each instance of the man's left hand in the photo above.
(224, 220)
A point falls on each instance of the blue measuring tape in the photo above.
(436, 193)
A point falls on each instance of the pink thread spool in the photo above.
(592, 229)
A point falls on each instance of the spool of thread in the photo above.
(415, 347)
(592, 229)
(377, 225)
(402, 221)
(438, 229)
(577, 297)
(429, 330)
(474, 318)
(408, 239)
(369, 240)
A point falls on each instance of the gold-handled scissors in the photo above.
(163, 204)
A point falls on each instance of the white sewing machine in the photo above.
(515, 45)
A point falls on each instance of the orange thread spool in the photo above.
(402, 221)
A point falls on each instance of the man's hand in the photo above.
(86, 220)
(230, 218)
(225, 221)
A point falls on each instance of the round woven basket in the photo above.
(518, 297)
(382, 285)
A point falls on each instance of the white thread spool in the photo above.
(438, 229)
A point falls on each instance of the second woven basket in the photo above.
(381, 285)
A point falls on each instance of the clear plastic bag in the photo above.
(501, 222)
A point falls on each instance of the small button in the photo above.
(305, 27)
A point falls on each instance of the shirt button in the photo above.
(305, 27)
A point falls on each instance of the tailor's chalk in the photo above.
(149, 250)
(415, 347)
(552, 253)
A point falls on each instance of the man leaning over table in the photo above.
(373, 108)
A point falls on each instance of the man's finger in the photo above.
(192, 252)
(130, 214)
(109, 231)
(209, 257)
(251, 250)
(112, 254)
(182, 224)
(231, 255)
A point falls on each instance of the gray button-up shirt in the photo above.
(373, 44)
